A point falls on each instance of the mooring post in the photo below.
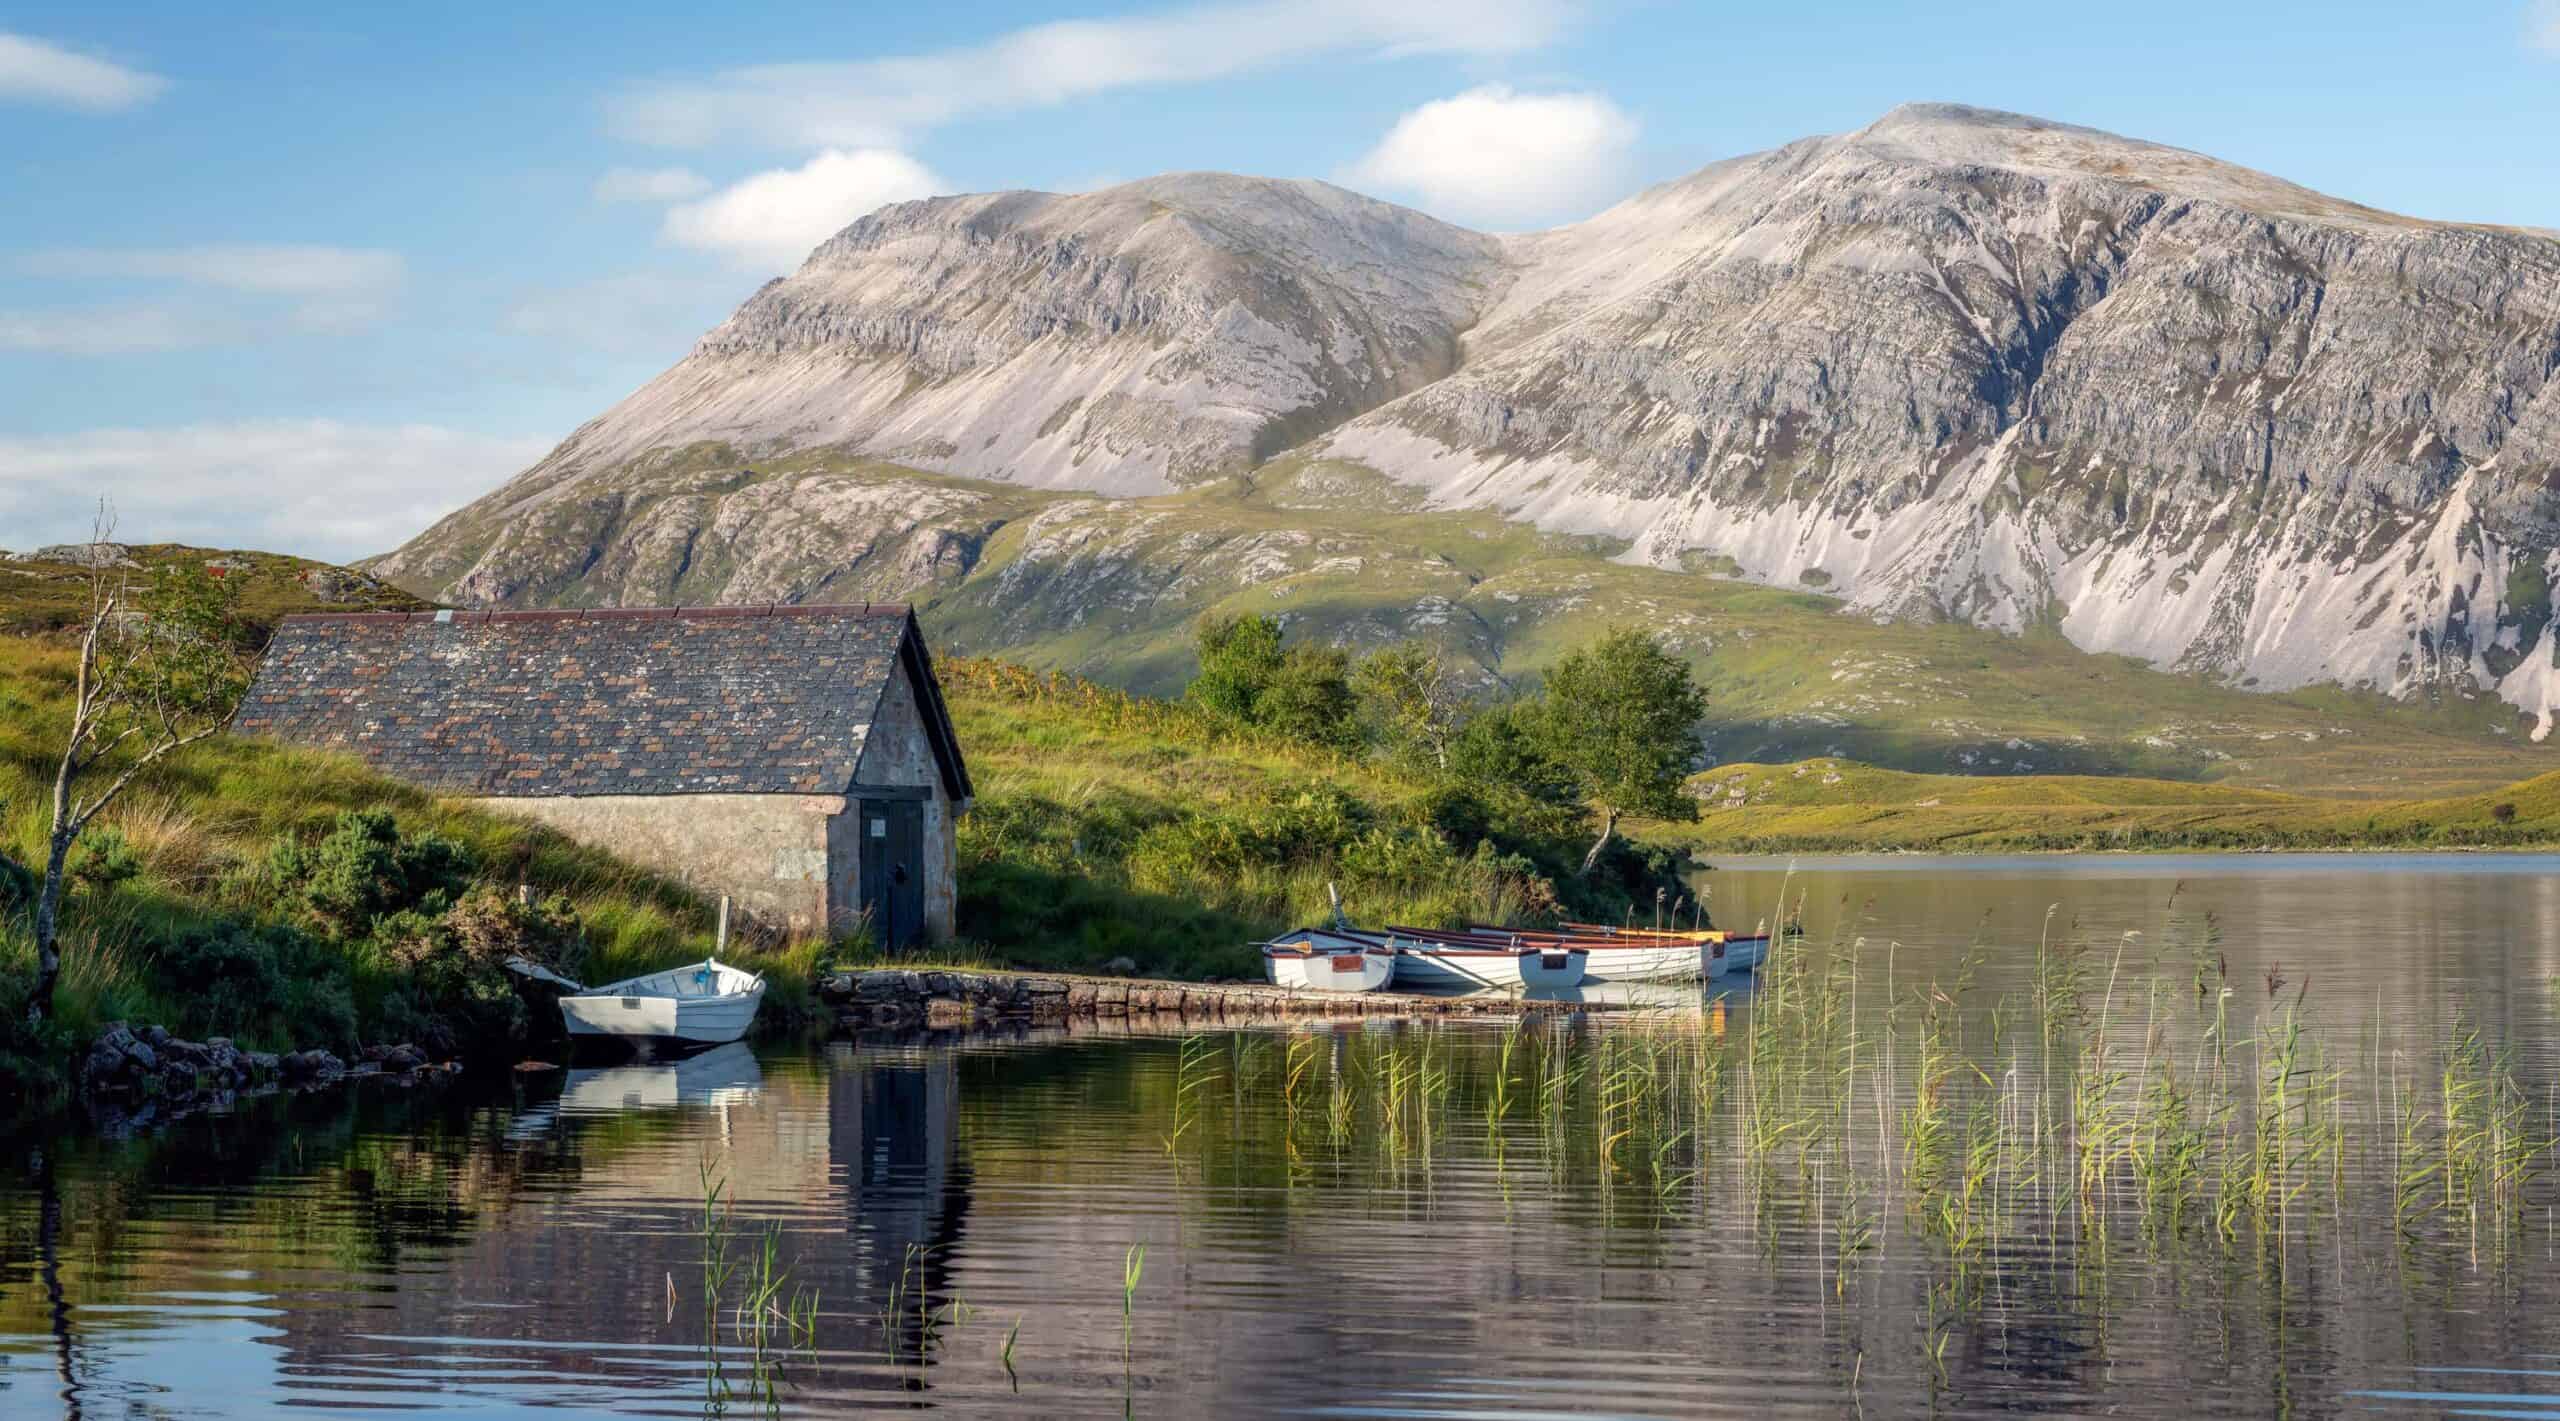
(721, 944)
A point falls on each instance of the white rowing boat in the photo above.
(1438, 965)
(710, 1003)
(1322, 960)
(1616, 956)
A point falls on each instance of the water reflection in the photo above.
(1574, 1216)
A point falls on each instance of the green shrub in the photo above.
(363, 869)
(103, 860)
(232, 981)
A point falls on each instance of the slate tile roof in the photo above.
(736, 700)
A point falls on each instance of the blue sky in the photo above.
(302, 276)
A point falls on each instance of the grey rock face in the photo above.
(92, 555)
(1971, 365)
(1957, 364)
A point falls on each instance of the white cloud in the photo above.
(881, 103)
(262, 270)
(112, 330)
(1495, 156)
(650, 185)
(322, 288)
(32, 71)
(312, 487)
(773, 219)
(2542, 26)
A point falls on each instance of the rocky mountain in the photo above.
(1956, 365)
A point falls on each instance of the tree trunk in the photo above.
(1608, 831)
(48, 929)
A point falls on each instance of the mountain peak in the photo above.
(1957, 363)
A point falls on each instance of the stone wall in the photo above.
(898, 754)
(901, 1000)
(768, 852)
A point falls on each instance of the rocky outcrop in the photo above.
(1957, 364)
(90, 555)
(134, 1075)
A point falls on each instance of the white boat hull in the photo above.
(711, 1004)
(1301, 962)
(1554, 969)
(1649, 962)
(1434, 967)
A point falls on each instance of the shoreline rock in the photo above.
(134, 1075)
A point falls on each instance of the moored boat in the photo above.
(1612, 959)
(1427, 962)
(1555, 968)
(1327, 960)
(709, 1003)
(1747, 953)
(1721, 952)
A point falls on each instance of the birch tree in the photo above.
(160, 669)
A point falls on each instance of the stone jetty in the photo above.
(900, 998)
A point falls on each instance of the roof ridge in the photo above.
(616, 614)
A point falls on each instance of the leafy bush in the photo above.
(104, 859)
(231, 980)
(363, 869)
(1302, 693)
(1239, 657)
(488, 927)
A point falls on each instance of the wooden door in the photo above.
(893, 871)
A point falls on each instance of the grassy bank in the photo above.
(285, 898)
(232, 894)
(1838, 806)
(1115, 825)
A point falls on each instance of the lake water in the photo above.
(1910, 1174)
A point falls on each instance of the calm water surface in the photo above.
(1656, 1214)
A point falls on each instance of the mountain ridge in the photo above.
(1956, 364)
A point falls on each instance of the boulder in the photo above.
(313, 1067)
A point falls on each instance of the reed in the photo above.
(768, 1313)
(1133, 1266)
(2119, 1093)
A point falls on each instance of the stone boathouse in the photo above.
(797, 759)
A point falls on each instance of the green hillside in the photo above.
(1815, 806)
(1112, 589)
(40, 596)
